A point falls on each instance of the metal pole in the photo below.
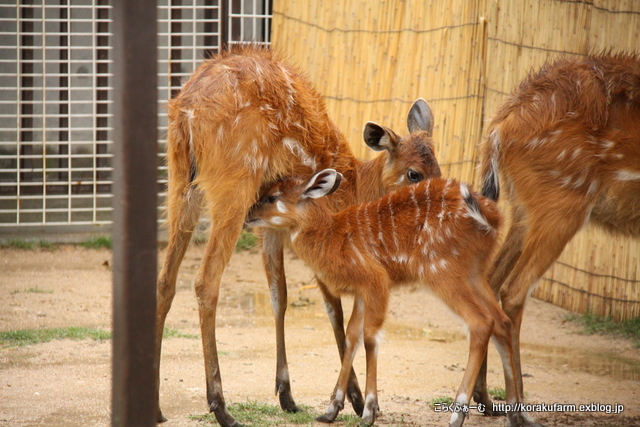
(134, 395)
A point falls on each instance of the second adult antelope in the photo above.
(244, 120)
(566, 146)
(436, 233)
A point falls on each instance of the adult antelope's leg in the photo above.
(184, 210)
(502, 339)
(506, 259)
(228, 206)
(548, 232)
(336, 316)
(272, 256)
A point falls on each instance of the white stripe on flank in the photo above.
(417, 207)
(393, 224)
(425, 226)
(444, 200)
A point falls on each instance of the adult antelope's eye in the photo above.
(272, 199)
(414, 176)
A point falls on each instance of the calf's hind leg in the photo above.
(336, 316)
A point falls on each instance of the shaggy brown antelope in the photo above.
(436, 233)
(244, 120)
(566, 146)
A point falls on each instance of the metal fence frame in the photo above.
(56, 100)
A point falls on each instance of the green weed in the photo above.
(246, 241)
(441, 401)
(593, 324)
(34, 290)
(258, 414)
(36, 336)
(174, 333)
(99, 242)
(28, 245)
(498, 393)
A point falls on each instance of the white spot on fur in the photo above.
(535, 142)
(277, 220)
(592, 187)
(576, 153)
(280, 206)
(296, 149)
(627, 175)
(566, 181)
(462, 399)
(607, 144)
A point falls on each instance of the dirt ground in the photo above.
(67, 383)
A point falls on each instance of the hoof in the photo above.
(370, 417)
(160, 418)
(355, 397)
(366, 422)
(324, 419)
(487, 404)
(332, 413)
(457, 419)
(286, 399)
(224, 418)
(521, 419)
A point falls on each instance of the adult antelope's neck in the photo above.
(369, 180)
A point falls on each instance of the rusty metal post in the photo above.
(134, 397)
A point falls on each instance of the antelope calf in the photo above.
(436, 233)
(566, 146)
(244, 120)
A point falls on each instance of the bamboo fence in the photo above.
(371, 60)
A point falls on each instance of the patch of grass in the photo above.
(34, 290)
(498, 393)
(258, 414)
(47, 246)
(593, 324)
(28, 245)
(441, 401)
(246, 241)
(35, 336)
(99, 242)
(174, 333)
(18, 244)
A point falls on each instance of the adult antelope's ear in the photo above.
(379, 138)
(322, 184)
(420, 117)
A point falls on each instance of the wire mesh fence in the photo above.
(56, 97)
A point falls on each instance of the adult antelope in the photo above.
(244, 120)
(566, 146)
(436, 233)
